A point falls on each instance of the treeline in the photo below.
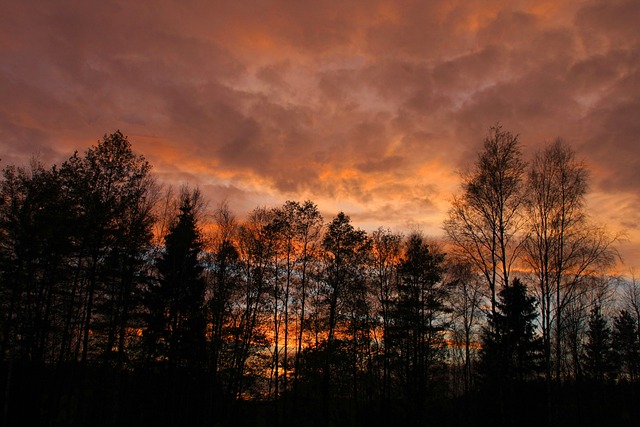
(123, 304)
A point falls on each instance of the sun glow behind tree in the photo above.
(276, 307)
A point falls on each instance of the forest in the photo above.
(127, 303)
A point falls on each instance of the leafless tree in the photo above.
(466, 301)
(484, 220)
(386, 250)
(563, 251)
(561, 247)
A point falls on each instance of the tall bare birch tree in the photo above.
(484, 221)
(562, 246)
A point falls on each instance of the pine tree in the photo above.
(511, 349)
(417, 324)
(176, 328)
(599, 363)
(626, 345)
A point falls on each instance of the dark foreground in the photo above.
(75, 396)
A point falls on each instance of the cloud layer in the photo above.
(364, 106)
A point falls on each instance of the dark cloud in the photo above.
(606, 25)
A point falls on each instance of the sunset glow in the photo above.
(372, 108)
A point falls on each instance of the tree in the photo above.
(557, 185)
(308, 226)
(418, 321)
(561, 247)
(223, 277)
(386, 250)
(296, 228)
(514, 343)
(73, 260)
(465, 301)
(176, 325)
(484, 220)
(511, 351)
(175, 332)
(79, 234)
(626, 345)
(36, 225)
(345, 251)
(257, 250)
(113, 194)
(631, 300)
(599, 363)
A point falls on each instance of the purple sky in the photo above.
(371, 107)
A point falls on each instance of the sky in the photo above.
(363, 106)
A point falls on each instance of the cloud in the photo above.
(368, 106)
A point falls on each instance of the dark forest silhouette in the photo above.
(126, 305)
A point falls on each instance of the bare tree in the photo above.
(256, 249)
(307, 224)
(484, 220)
(561, 247)
(631, 299)
(465, 301)
(557, 185)
(386, 251)
(223, 275)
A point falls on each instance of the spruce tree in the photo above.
(599, 357)
(511, 351)
(176, 329)
(511, 348)
(626, 345)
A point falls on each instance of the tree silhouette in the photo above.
(345, 252)
(599, 362)
(484, 220)
(386, 250)
(277, 319)
(465, 302)
(513, 343)
(626, 345)
(561, 248)
(112, 194)
(176, 322)
(176, 329)
(511, 351)
(223, 274)
(418, 322)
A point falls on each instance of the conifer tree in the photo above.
(511, 349)
(418, 323)
(626, 345)
(599, 363)
(176, 328)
